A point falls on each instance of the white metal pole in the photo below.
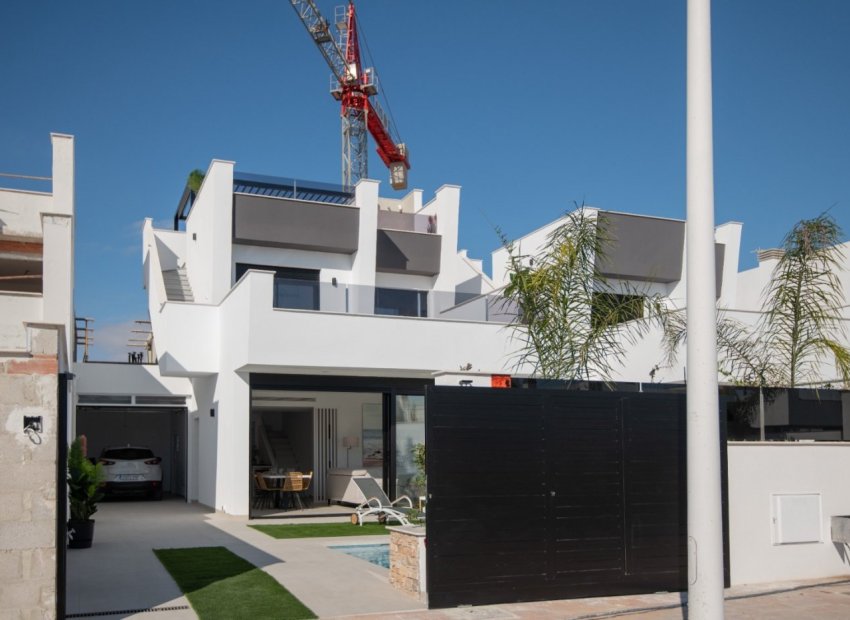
(705, 528)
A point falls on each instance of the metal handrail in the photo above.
(24, 176)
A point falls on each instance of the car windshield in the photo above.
(127, 454)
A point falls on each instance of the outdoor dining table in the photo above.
(276, 482)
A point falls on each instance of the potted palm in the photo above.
(84, 482)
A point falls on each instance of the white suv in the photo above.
(131, 469)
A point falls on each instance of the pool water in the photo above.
(376, 554)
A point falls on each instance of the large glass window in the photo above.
(410, 446)
(293, 288)
(401, 302)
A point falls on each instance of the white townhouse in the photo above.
(309, 321)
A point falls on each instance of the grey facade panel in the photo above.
(297, 224)
(643, 248)
(408, 252)
(719, 257)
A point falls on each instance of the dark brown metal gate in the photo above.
(539, 494)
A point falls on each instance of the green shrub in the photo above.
(84, 481)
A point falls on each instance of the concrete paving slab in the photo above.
(812, 600)
(120, 573)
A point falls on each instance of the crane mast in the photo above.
(356, 90)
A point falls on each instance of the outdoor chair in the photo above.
(263, 495)
(306, 493)
(292, 487)
(377, 503)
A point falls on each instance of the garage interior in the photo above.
(160, 428)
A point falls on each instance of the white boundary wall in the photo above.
(757, 472)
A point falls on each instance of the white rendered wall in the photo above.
(530, 244)
(233, 406)
(136, 379)
(729, 234)
(365, 258)
(58, 273)
(209, 235)
(757, 470)
(203, 442)
(331, 265)
(187, 338)
(17, 308)
(446, 206)
(21, 214)
(171, 245)
(355, 344)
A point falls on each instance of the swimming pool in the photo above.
(376, 554)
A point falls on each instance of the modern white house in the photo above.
(36, 348)
(309, 320)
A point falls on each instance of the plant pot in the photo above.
(80, 533)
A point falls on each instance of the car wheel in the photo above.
(157, 495)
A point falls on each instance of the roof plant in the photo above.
(194, 181)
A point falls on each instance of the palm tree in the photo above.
(802, 320)
(568, 318)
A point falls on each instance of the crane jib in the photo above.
(355, 87)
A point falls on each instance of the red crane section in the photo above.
(356, 89)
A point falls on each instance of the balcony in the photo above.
(301, 294)
(407, 243)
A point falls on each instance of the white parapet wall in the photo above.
(781, 498)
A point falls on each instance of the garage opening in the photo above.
(160, 428)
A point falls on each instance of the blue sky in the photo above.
(528, 106)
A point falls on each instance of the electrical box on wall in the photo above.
(796, 518)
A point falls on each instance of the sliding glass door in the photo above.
(409, 445)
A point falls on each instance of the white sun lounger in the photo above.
(377, 503)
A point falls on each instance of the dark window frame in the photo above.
(418, 298)
(283, 275)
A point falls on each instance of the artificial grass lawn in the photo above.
(220, 584)
(321, 530)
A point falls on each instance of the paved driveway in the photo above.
(119, 577)
(120, 573)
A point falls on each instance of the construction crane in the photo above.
(356, 89)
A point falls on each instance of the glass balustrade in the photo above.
(303, 294)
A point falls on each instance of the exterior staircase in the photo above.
(177, 287)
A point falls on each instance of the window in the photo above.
(293, 288)
(611, 308)
(401, 302)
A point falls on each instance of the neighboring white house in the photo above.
(648, 255)
(36, 344)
